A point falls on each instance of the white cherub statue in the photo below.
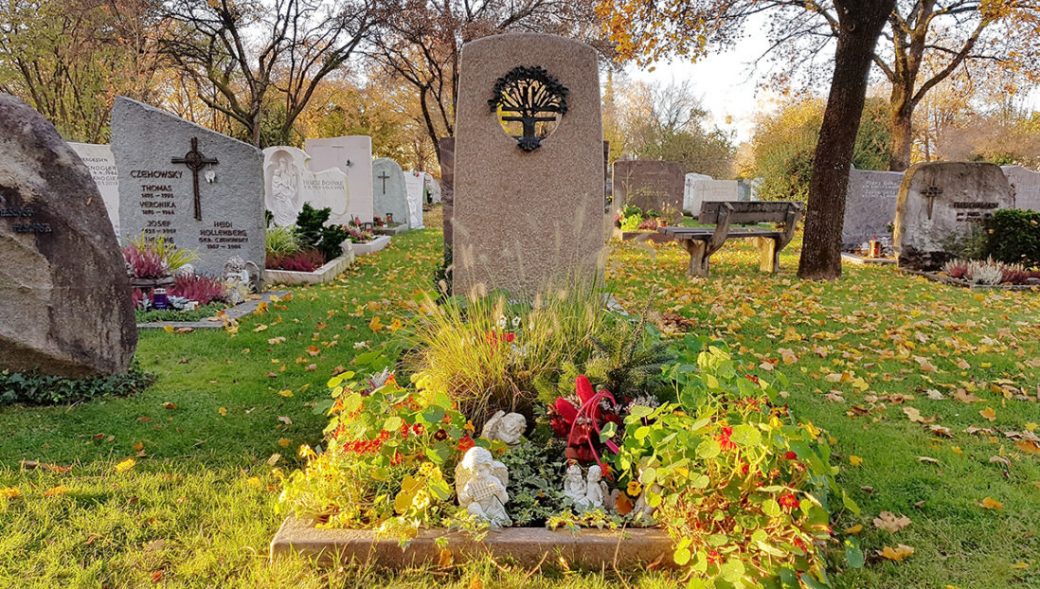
(506, 427)
(596, 489)
(575, 489)
(480, 483)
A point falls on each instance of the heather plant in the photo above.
(199, 288)
(145, 263)
(307, 260)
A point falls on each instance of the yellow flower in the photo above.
(470, 427)
(634, 488)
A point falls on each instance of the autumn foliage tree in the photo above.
(249, 58)
(649, 29)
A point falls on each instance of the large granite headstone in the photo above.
(528, 210)
(199, 189)
(353, 156)
(389, 190)
(942, 206)
(649, 184)
(1025, 186)
(289, 182)
(65, 305)
(446, 155)
(870, 206)
(415, 187)
(102, 165)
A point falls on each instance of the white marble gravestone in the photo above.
(870, 206)
(415, 186)
(691, 193)
(942, 206)
(102, 165)
(433, 188)
(198, 189)
(352, 155)
(390, 190)
(289, 182)
(1025, 185)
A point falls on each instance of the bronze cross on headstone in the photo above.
(384, 176)
(932, 193)
(195, 162)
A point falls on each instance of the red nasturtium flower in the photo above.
(788, 501)
(465, 443)
(724, 440)
(790, 455)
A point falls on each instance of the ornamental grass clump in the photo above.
(487, 353)
(744, 490)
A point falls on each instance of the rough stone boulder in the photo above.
(65, 306)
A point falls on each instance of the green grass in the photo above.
(198, 508)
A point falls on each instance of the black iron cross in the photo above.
(932, 193)
(195, 162)
(528, 116)
(384, 176)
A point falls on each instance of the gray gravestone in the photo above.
(353, 156)
(941, 208)
(102, 165)
(389, 191)
(65, 306)
(200, 190)
(649, 184)
(1025, 186)
(870, 206)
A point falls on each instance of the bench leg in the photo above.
(768, 255)
(698, 257)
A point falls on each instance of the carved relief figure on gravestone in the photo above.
(284, 191)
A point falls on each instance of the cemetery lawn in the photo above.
(177, 487)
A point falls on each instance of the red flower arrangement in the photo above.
(578, 424)
(724, 440)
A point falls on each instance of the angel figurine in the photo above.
(575, 489)
(506, 427)
(480, 483)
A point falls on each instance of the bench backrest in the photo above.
(748, 212)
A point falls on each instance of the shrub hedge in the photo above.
(1013, 236)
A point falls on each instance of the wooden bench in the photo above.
(701, 243)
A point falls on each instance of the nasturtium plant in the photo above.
(741, 486)
(388, 452)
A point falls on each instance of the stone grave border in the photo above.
(378, 243)
(237, 312)
(865, 261)
(395, 230)
(943, 279)
(591, 549)
(651, 236)
(327, 273)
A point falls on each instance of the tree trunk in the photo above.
(860, 25)
(901, 114)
